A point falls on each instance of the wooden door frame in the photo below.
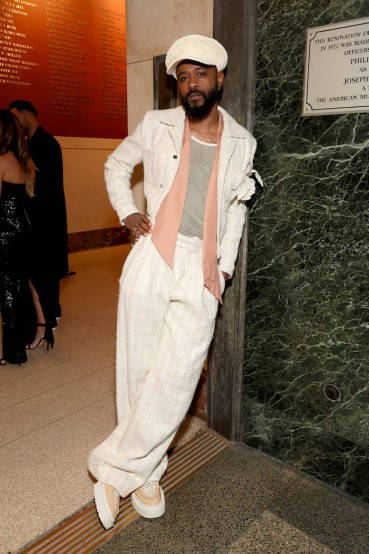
(164, 86)
(235, 28)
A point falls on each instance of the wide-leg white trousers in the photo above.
(165, 325)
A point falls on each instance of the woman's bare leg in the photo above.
(40, 329)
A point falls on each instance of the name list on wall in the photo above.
(337, 68)
(67, 57)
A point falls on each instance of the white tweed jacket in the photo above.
(157, 142)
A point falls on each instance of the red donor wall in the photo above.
(67, 57)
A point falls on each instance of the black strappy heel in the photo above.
(48, 338)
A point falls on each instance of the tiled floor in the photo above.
(58, 405)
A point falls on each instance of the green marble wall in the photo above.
(307, 318)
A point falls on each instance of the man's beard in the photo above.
(199, 112)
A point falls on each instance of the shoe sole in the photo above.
(102, 506)
(149, 512)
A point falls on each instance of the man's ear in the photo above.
(220, 78)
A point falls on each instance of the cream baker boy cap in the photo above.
(197, 48)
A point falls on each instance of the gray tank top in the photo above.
(201, 165)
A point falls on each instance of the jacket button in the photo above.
(175, 156)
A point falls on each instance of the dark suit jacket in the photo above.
(47, 210)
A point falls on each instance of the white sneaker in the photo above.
(149, 500)
(107, 503)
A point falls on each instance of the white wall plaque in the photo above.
(337, 68)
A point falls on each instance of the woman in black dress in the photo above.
(17, 176)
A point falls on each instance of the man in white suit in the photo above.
(198, 177)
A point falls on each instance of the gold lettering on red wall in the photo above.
(68, 57)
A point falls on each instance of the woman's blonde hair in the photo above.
(12, 139)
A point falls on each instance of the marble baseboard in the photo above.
(99, 238)
(327, 456)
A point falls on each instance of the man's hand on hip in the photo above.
(138, 224)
